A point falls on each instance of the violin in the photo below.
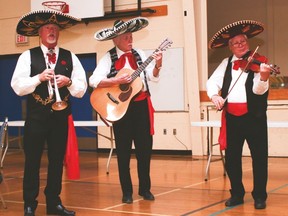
(252, 63)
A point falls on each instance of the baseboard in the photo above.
(158, 152)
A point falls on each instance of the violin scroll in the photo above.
(274, 69)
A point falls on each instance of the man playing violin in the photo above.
(243, 101)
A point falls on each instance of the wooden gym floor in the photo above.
(177, 183)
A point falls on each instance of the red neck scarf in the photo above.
(120, 63)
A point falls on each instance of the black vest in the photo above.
(38, 102)
(257, 104)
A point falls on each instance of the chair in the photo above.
(211, 145)
(3, 150)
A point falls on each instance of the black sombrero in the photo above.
(121, 27)
(250, 28)
(30, 23)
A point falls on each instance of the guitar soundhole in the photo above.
(126, 92)
(124, 87)
(124, 96)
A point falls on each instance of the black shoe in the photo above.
(127, 199)
(147, 195)
(28, 211)
(59, 210)
(260, 204)
(233, 201)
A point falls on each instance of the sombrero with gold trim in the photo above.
(121, 27)
(29, 24)
(250, 28)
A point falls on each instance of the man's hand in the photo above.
(62, 80)
(124, 78)
(218, 101)
(46, 75)
(265, 71)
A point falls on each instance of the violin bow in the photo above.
(244, 69)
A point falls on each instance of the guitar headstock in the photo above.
(164, 45)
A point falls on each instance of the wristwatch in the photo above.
(69, 83)
(158, 68)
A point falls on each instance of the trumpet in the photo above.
(59, 104)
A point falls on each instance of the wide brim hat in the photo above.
(121, 27)
(29, 24)
(250, 28)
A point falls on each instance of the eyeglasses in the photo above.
(237, 44)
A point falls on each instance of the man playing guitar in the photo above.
(136, 124)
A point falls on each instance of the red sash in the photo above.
(237, 109)
(142, 96)
(222, 139)
(71, 160)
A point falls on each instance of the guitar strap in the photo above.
(114, 58)
(139, 62)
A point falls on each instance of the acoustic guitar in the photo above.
(111, 103)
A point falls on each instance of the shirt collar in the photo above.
(120, 52)
(45, 49)
(234, 58)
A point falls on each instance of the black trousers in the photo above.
(134, 126)
(52, 130)
(254, 130)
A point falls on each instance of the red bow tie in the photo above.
(51, 56)
(119, 64)
(238, 64)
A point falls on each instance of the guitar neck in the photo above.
(141, 68)
(166, 43)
